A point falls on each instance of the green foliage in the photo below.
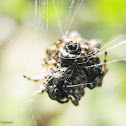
(111, 12)
(19, 9)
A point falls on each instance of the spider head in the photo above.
(56, 94)
(53, 92)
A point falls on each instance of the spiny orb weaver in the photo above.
(73, 63)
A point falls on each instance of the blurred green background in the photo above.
(26, 32)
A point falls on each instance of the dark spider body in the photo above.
(74, 64)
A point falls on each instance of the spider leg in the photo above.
(35, 80)
(104, 64)
(61, 101)
(41, 90)
(91, 85)
(74, 100)
(43, 86)
(73, 97)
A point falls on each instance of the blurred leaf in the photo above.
(19, 9)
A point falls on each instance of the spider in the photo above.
(72, 64)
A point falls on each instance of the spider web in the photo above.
(63, 25)
(115, 48)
